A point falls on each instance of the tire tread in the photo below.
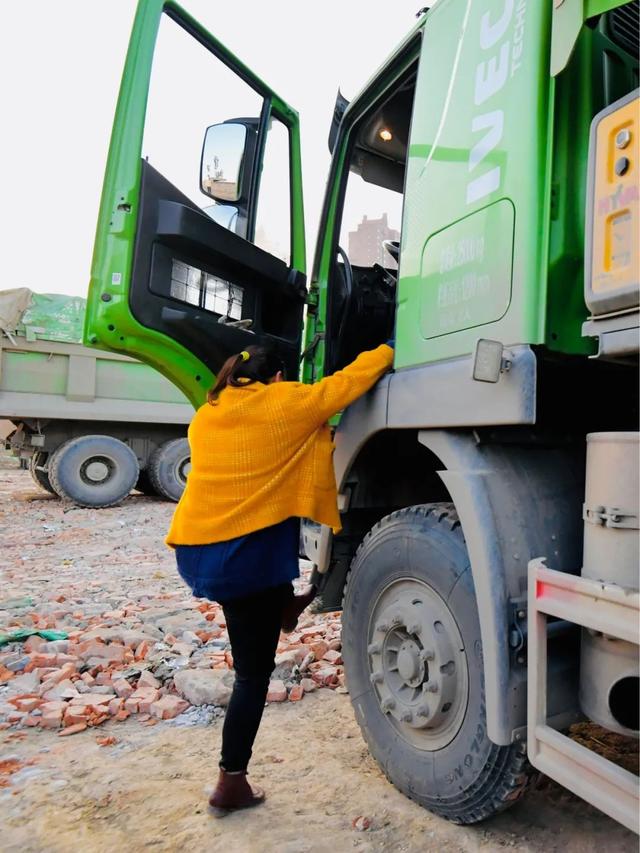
(153, 467)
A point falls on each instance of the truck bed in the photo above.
(44, 379)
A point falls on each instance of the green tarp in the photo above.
(21, 634)
(48, 316)
(53, 317)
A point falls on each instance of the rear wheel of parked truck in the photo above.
(168, 468)
(93, 470)
(413, 661)
(40, 477)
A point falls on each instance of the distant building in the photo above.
(365, 243)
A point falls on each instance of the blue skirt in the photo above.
(243, 566)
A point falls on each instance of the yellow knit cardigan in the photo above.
(263, 453)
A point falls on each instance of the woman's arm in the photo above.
(334, 393)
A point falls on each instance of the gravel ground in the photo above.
(132, 786)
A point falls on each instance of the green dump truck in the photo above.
(91, 425)
(481, 208)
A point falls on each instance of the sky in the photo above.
(60, 66)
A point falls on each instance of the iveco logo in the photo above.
(491, 76)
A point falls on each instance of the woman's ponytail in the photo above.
(255, 364)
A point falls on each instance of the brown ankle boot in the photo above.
(234, 792)
(294, 607)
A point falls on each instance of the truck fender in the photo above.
(513, 502)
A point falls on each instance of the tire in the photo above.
(168, 468)
(413, 661)
(93, 470)
(40, 478)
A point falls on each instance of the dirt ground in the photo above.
(148, 790)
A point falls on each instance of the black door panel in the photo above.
(176, 241)
(187, 227)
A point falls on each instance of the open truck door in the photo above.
(199, 248)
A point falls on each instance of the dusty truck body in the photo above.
(492, 164)
(91, 425)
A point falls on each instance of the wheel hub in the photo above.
(410, 665)
(96, 470)
(418, 664)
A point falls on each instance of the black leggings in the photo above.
(253, 624)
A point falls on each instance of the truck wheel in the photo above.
(93, 470)
(413, 662)
(40, 478)
(168, 468)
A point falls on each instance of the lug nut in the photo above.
(415, 628)
(382, 626)
(423, 711)
(432, 687)
(396, 619)
(388, 704)
(407, 717)
(376, 677)
(427, 654)
(374, 648)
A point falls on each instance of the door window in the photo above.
(191, 90)
(273, 217)
(194, 97)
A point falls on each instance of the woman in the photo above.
(261, 459)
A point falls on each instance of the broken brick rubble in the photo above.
(137, 643)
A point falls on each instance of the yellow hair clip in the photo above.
(244, 355)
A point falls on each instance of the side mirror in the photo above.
(221, 164)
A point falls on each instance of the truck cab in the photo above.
(482, 210)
